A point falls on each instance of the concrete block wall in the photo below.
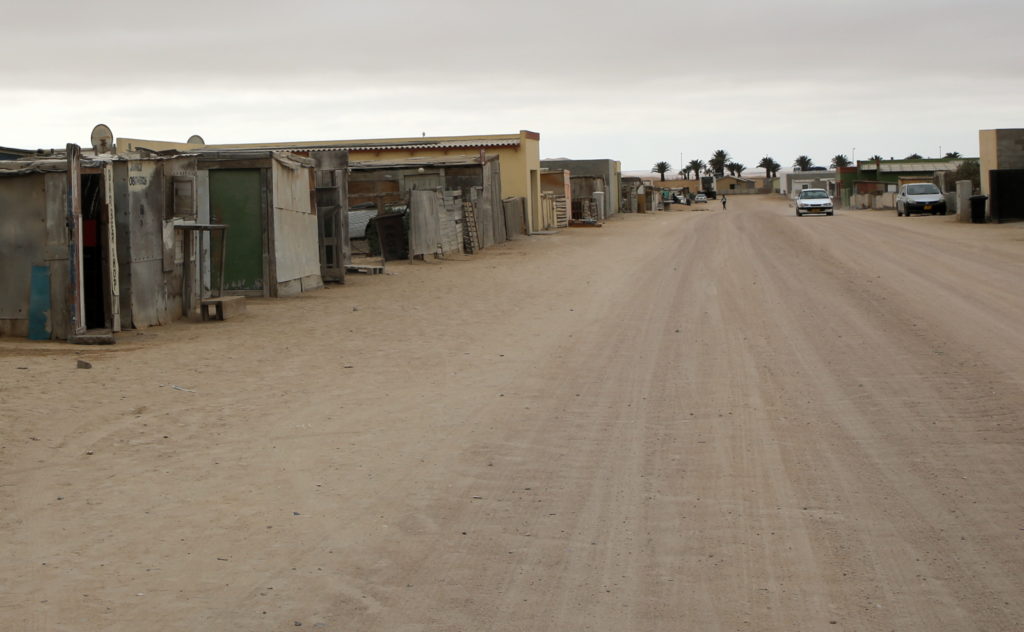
(1010, 148)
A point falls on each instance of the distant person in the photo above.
(723, 201)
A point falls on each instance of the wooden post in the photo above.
(73, 206)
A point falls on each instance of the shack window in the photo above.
(183, 194)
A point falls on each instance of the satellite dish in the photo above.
(195, 139)
(102, 139)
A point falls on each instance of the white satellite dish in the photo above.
(102, 139)
(195, 139)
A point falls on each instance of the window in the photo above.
(183, 197)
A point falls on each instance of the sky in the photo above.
(634, 82)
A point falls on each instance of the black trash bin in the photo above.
(978, 208)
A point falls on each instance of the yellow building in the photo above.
(519, 156)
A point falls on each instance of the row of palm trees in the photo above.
(840, 160)
(720, 162)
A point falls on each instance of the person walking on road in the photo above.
(723, 202)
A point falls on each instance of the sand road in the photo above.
(714, 420)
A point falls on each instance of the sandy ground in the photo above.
(714, 420)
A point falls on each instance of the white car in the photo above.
(700, 197)
(923, 197)
(813, 201)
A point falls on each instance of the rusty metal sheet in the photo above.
(57, 252)
(22, 240)
(147, 204)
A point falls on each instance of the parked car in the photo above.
(700, 197)
(923, 197)
(813, 201)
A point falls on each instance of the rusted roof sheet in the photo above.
(49, 165)
(284, 156)
(418, 161)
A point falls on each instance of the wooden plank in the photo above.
(365, 269)
(75, 288)
(225, 307)
(113, 270)
(267, 217)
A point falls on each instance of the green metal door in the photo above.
(235, 201)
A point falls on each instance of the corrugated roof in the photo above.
(46, 165)
(902, 167)
(413, 144)
(419, 161)
(906, 166)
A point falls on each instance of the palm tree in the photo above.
(771, 168)
(661, 168)
(914, 156)
(718, 161)
(952, 155)
(839, 160)
(684, 173)
(876, 158)
(736, 169)
(697, 167)
(804, 162)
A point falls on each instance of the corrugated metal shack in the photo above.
(88, 244)
(152, 194)
(454, 202)
(58, 276)
(329, 204)
(268, 201)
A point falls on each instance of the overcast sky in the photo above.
(635, 82)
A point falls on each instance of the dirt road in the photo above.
(714, 420)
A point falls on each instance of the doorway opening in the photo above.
(95, 257)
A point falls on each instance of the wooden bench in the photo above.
(225, 307)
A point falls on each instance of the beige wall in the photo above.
(987, 152)
(676, 184)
